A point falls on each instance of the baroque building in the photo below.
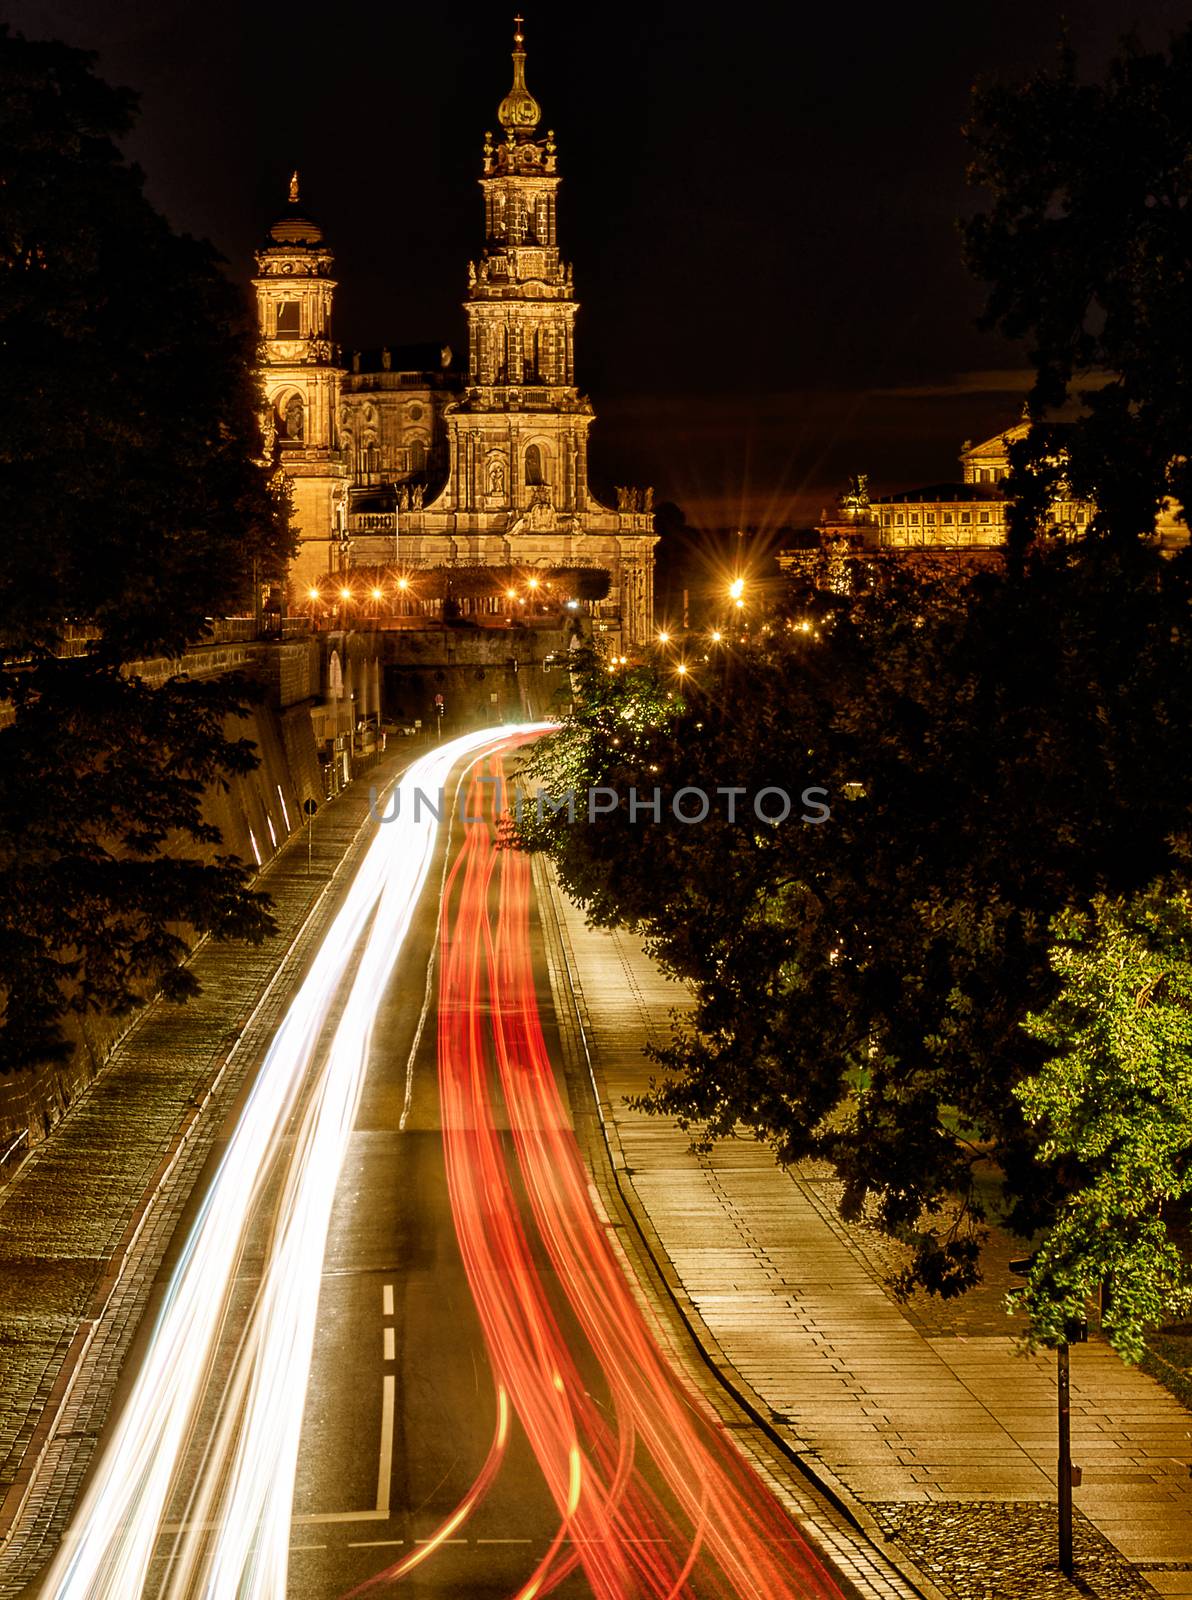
(970, 515)
(400, 460)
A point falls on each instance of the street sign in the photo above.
(310, 807)
(438, 699)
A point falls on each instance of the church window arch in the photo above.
(534, 465)
(418, 452)
(292, 413)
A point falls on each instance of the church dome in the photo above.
(294, 228)
(519, 112)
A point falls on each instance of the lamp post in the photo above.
(1067, 1476)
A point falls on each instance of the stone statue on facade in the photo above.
(416, 494)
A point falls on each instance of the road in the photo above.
(396, 1352)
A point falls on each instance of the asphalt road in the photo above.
(470, 1304)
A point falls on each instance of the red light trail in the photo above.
(713, 1530)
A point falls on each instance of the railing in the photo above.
(372, 522)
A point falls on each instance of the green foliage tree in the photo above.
(1112, 1107)
(134, 508)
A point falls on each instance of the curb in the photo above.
(16, 1497)
(706, 1346)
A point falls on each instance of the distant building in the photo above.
(970, 515)
(406, 459)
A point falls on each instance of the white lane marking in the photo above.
(385, 1466)
(503, 1541)
(437, 1542)
(373, 1544)
(387, 1300)
(390, 1351)
(312, 1518)
(294, 1547)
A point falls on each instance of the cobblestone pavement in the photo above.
(1008, 1550)
(926, 1404)
(86, 1219)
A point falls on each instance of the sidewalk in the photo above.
(921, 1418)
(85, 1221)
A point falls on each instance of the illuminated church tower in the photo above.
(398, 460)
(520, 432)
(302, 381)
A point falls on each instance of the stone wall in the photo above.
(255, 815)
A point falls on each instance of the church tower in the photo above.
(521, 429)
(302, 382)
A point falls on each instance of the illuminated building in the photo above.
(399, 458)
(970, 515)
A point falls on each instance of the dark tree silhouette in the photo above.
(134, 506)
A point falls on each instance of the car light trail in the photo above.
(107, 1552)
(719, 1532)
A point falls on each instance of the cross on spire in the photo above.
(518, 36)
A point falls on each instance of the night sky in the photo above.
(760, 203)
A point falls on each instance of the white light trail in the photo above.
(107, 1552)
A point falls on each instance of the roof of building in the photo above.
(944, 493)
(427, 356)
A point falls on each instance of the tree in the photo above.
(1086, 247)
(134, 506)
(990, 744)
(1112, 1106)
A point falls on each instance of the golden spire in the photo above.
(294, 187)
(519, 111)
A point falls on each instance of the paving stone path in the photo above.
(915, 1412)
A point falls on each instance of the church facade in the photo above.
(409, 462)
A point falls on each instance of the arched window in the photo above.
(289, 319)
(417, 453)
(534, 465)
(294, 420)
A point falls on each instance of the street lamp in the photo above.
(663, 637)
